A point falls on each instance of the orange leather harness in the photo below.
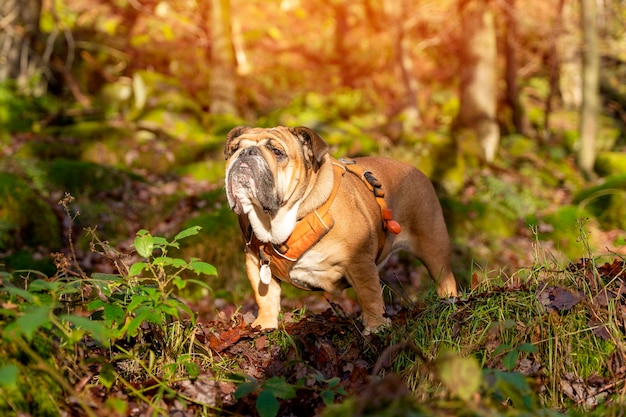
(312, 227)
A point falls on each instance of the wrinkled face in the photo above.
(270, 168)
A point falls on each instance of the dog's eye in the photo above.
(278, 153)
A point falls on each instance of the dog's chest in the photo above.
(316, 270)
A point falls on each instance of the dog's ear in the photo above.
(313, 142)
(229, 149)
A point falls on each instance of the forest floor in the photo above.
(525, 312)
(319, 355)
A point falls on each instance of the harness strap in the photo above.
(375, 187)
(310, 229)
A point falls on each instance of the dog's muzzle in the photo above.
(249, 181)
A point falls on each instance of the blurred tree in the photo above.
(402, 43)
(223, 77)
(19, 36)
(591, 79)
(554, 66)
(476, 121)
(570, 77)
(518, 114)
(341, 46)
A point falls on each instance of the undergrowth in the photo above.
(547, 340)
(52, 326)
(550, 338)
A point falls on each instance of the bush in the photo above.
(129, 324)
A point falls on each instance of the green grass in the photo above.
(511, 345)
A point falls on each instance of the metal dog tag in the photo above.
(266, 274)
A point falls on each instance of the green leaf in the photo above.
(153, 293)
(137, 302)
(105, 277)
(266, 404)
(107, 375)
(6, 313)
(246, 388)
(200, 283)
(192, 369)
(514, 386)
(280, 388)
(27, 324)
(137, 268)
(462, 376)
(114, 313)
(189, 312)
(333, 382)
(165, 261)
(98, 330)
(143, 314)
(328, 396)
(179, 282)
(200, 267)
(502, 348)
(188, 232)
(40, 285)
(510, 359)
(144, 245)
(20, 293)
(162, 242)
(119, 405)
(8, 375)
(168, 309)
(528, 348)
(96, 304)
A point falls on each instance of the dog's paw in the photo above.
(449, 300)
(379, 326)
(264, 323)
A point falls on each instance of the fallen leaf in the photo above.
(202, 390)
(578, 390)
(558, 298)
(603, 298)
(220, 341)
(475, 281)
(261, 342)
(528, 367)
(599, 329)
(614, 270)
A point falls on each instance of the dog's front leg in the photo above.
(267, 295)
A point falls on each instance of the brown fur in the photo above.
(348, 254)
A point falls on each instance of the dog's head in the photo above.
(270, 168)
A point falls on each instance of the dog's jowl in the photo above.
(326, 224)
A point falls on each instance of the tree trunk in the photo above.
(222, 84)
(591, 97)
(476, 121)
(554, 67)
(567, 44)
(19, 35)
(411, 117)
(518, 115)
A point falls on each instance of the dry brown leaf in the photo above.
(204, 390)
(558, 298)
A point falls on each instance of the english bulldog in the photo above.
(325, 224)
